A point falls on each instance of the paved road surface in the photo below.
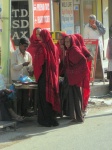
(94, 134)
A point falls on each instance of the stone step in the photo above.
(99, 89)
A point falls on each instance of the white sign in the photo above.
(20, 23)
(19, 20)
(67, 17)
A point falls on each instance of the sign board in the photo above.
(92, 46)
(67, 17)
(41, 10)
(19, 20)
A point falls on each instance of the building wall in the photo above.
(5, 38)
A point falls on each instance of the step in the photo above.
(99, 88)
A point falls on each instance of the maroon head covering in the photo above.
(52, 64)
(34, 38)
(76, 65)
(34, 43)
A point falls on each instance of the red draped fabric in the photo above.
(39, 60)
(83, 46)
(76, 65)
(34, 44)
(52, 70)
(85, 91)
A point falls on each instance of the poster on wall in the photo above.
(92, 46)
(19, 20)
(41, 10)
(67, 18)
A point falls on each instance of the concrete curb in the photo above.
(105, 100)
(99, 89)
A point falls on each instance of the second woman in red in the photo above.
(76, 76)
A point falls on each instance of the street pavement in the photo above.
(94, 134)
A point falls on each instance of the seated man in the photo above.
(21, 64)
(6, 110)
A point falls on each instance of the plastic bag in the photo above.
(25, 79)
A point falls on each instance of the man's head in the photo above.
(92, 19)
(23, 44)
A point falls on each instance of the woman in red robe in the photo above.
(86, 53)
(76, 76)
(35, 44)
(46, 71)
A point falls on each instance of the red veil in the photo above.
(52, 72)
(34, 44)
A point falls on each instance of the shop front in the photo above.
(73, 15)
(19, 17)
